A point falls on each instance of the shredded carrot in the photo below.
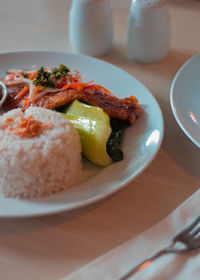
(22, 93)
(29, 128)
(79, 85)
(25, 102)
(35, 90)
(102, 88)
(133, 99)
(74, 85)
(47, 68)
(10, 128)
(9, 120)
(32, 75)
(9, 77)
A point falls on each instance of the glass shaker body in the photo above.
(148, 31)
(90, 27)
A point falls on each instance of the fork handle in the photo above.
(147, 262)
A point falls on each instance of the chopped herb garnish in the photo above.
(25, 75)
(60, 72)
(48, 79)
(43, 78)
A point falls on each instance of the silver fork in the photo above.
(189, 237)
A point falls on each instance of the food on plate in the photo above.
(53, 88)
(57, 88)
(40, 153)
(93, 126)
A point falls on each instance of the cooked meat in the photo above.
(125, 109)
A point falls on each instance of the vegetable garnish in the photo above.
(113, 146)
(25, 102)
(32, 75)
(93, 126)
(44, 79)
(48, 78)
(60, 72)
(41, 81)
(23, 92)
(25, 75)
(28, 127)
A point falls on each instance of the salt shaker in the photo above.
(90, 27)
(148, 30)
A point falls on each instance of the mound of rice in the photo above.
(42, 165)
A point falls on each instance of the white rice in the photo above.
(42, 165)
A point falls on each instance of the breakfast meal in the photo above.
(50, 118)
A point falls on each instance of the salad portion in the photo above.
(36, 83)
(97, 114)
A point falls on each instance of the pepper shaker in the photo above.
(90, 27)
(148, 30)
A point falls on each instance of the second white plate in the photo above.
(185, 98)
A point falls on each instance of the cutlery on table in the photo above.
(189, 237)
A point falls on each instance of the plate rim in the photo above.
(176, 115)
(130, 178)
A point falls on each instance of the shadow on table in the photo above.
(188, 4)
(171, 64)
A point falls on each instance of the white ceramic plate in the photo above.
(185, 98)
(140, 144)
